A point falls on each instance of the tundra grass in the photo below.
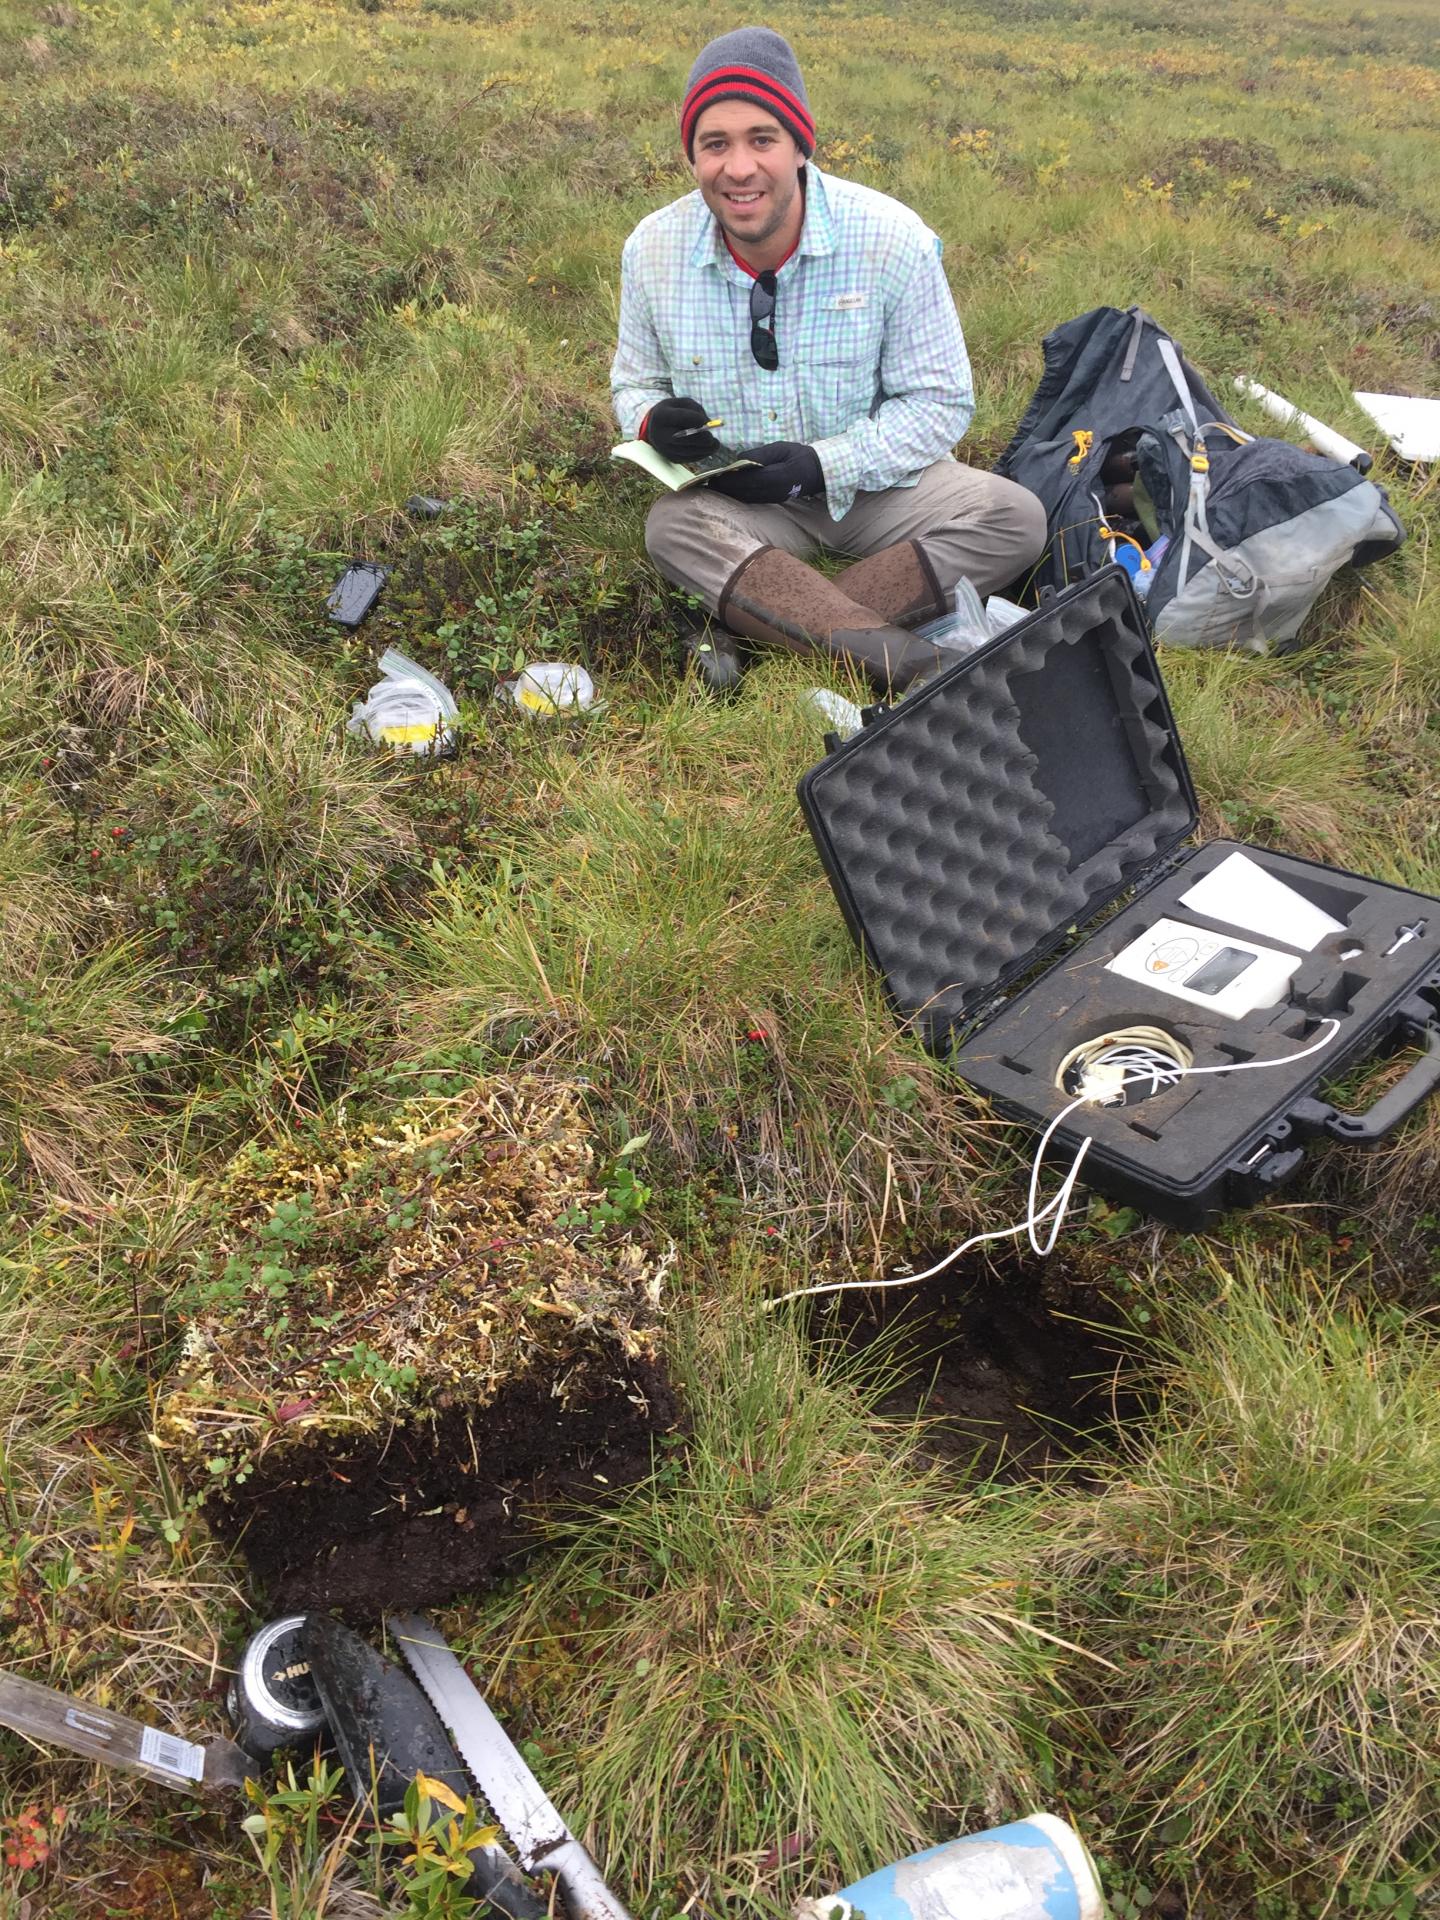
(758, 1683)
(1273, 1546)
(267, 269)
(655, 918)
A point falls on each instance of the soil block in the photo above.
(408, 1340)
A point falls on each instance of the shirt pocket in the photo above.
(703, 368)
(842, 373)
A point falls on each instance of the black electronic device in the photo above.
(356, 592)
(1003, 812)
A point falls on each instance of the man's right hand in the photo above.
(676, 428)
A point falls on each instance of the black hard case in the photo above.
(1004, 810)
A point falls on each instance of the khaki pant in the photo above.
(968, 522)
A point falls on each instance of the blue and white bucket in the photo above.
(1034, 1869)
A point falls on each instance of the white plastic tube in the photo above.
(1325, 438)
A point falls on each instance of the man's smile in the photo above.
(749, 171)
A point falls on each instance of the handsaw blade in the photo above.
(540, 1837)
(42, 1713)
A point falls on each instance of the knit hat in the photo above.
(752, 63)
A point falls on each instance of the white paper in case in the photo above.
(1240, 893)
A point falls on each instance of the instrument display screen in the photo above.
(1220, 969)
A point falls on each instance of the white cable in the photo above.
(1157, 1062)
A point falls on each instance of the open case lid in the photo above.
(968, 829)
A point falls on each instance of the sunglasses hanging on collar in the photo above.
(763, 343)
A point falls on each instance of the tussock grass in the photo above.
(110, 622)
(76, 1033)
(795, 1630)
(1271, 1551)
(365, 459)
(657, 917)
(1395, 669)
(286, 796)
(36, 903)
(1265, 761)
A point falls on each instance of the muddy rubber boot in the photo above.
(715, 657)
(775, 597)
(899, 583)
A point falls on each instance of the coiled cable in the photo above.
(1102, 1071)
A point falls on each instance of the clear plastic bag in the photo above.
(409, 710)
(962, 629)
(1003, 613)
(833, 709)
(546, 689)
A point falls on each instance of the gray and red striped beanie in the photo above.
(752, 63)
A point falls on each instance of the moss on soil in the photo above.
(408, 1322)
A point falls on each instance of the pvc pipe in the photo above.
(1325, 438)
(1034, 1869)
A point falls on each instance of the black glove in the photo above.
(787, 470)
(670, 427)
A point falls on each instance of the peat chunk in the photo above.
(413, 1517)
(410, 1329)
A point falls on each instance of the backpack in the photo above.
(1130, 452)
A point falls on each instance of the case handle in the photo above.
(1368, 1128)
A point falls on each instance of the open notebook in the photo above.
(676, 474)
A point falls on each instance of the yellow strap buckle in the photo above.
(1084, 440)
(1114, 533)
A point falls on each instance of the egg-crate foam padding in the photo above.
(968, 828)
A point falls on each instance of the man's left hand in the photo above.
(785, 470)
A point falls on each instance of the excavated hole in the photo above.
(1011, 1374)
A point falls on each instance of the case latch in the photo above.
(1264, 1167)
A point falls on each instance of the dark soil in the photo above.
(433, 1509)
(1013, 1380)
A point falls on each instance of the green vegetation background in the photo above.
(267, 269)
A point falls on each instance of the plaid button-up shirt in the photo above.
(873, 369)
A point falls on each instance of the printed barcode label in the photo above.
(171, 1754)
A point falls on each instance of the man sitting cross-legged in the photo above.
(810, 316)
